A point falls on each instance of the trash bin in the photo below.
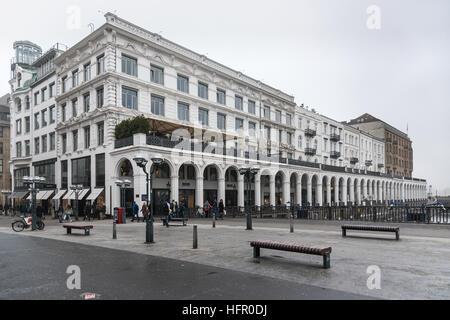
(116, 215)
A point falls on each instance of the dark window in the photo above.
(101, 64)
(183, 83)
(64, 175)
(183, 111)
(203, 117)
(100, 97)
(100, 170)
(87, 137)
(87, 102)
(221, 121)
(129, 98)
(203, 90)
(156, 74)
(47, 171)
(157, 106)
(64, 143)
(239, 102)
(129, 65)
(100, 133)
(81, 171)
(251, 107)
(221, 96)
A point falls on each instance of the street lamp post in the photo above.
(157, 160)
(249, 173)
(32, 183)
(77, 188)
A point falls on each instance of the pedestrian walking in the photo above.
(206, 208)
(182, 209)
(144, 211)
(135, 210)
(221, 209)
(69, 212)
(60, 213)
(167, 212)
(87, 212)
(214, 209)
(176, 210)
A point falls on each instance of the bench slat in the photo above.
(324, 252)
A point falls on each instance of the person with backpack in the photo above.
(135, 210)
(206, 208)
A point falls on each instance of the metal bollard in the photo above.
(291, 221)
(214, 220)
(114, 227)
(195, 245)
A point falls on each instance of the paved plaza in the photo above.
(416, 267)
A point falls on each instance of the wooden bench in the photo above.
(371, 228)
(325, 252)
(86, 228)
(182, 220)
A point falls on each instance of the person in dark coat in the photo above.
(87, 212)
(221, 209)
(166, 212)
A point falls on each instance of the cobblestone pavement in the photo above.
(416, 267)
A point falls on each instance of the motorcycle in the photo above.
(25, 223)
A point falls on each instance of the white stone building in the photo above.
(207, 121)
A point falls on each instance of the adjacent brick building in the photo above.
(398, 146)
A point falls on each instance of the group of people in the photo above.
(89, 211)
(167, 209)
(214, 209)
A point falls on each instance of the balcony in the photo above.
(395, 143)
(354, 160)
(310, 133)
(380, 166)
(368, 163)
(335, 154)
(310, 151)
(335, 137)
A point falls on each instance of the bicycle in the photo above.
(199, 213)
(25, 223)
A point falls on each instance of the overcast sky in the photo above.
(320, 51)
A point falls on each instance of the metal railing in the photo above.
(375, 214)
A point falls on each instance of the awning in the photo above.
(47, 194)
(38, 195)
(18, 195)
(81, 194)
(94, 194)
(68, 195)
(59, 194)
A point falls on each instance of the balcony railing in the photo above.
(310, 132)
(368, 163)
(310, 151)
(335, 154)
(380, 165)
(335, 137)
(125, 142)
(303, 163)
(232, 152)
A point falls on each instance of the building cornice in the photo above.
(201, 60)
